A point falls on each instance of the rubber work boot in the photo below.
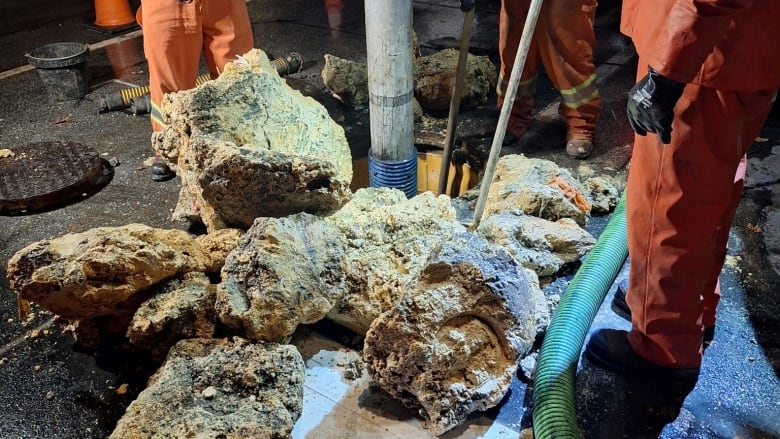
(160, 170)
(579, 148)
(609, 349)
(619, 304)
(620, 307)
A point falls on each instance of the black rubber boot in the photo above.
(609, 349)
(160, 170)
(619, 304)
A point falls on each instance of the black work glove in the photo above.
(467, 5)
(651, 105)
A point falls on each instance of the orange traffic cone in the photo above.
(113, 13)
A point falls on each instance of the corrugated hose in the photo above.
(125, 98)
(554, 412)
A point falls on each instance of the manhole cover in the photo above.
(41, 175)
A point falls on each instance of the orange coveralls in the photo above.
(176, 31)
(682, 196)
(563, 40)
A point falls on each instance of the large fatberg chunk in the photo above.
(538, 244)
(433, 75)
(247, 145)
(451, 345)
(537, 187)
(351, 265)
(212, 388)
(434, 79)
(183, 309)
(100, 272)
(284, 272)
(388, 239)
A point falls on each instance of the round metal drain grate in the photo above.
(42, 175)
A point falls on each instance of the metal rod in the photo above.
(506, 108)
(460, 84)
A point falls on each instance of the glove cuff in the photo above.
(669, 87)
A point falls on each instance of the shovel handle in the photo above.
(506, 107)
(460, 84)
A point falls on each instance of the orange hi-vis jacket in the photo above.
(681, 197)
(708, 42)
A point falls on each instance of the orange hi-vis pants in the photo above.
(680, 204)
(563, 40)
(176, 31)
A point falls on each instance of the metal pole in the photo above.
(509, 100)
(460, 84)
(390, 82)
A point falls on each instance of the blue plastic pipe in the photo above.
(395, 174)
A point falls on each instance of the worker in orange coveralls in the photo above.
(563, 40)
(333, 8)
(175, 32)
(708, 75)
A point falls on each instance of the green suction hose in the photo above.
(554, 413)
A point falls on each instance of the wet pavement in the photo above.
(51, 389)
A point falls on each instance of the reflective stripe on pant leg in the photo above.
(511, 20)
(521, 114)
(524, 88)
(566, 49)
(158, 122)
(580, 107)
(581, 94)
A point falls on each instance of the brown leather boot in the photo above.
(579, 148)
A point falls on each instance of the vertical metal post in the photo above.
(391, 89)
